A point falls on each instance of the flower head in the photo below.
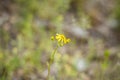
(61, 39)
(52, 38)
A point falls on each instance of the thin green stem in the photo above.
(48, 71)
(51, 61)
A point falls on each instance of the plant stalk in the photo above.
(51, 61)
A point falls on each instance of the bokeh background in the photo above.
(92, 25)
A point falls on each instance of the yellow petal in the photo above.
(68, 40)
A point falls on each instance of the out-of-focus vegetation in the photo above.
(25, 45)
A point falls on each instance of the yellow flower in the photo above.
(52, 38)
(68, 40)
(61, 39)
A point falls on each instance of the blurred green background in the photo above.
(92, 25)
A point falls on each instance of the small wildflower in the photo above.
(68, 40)
(52, 38)
(61, 39)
